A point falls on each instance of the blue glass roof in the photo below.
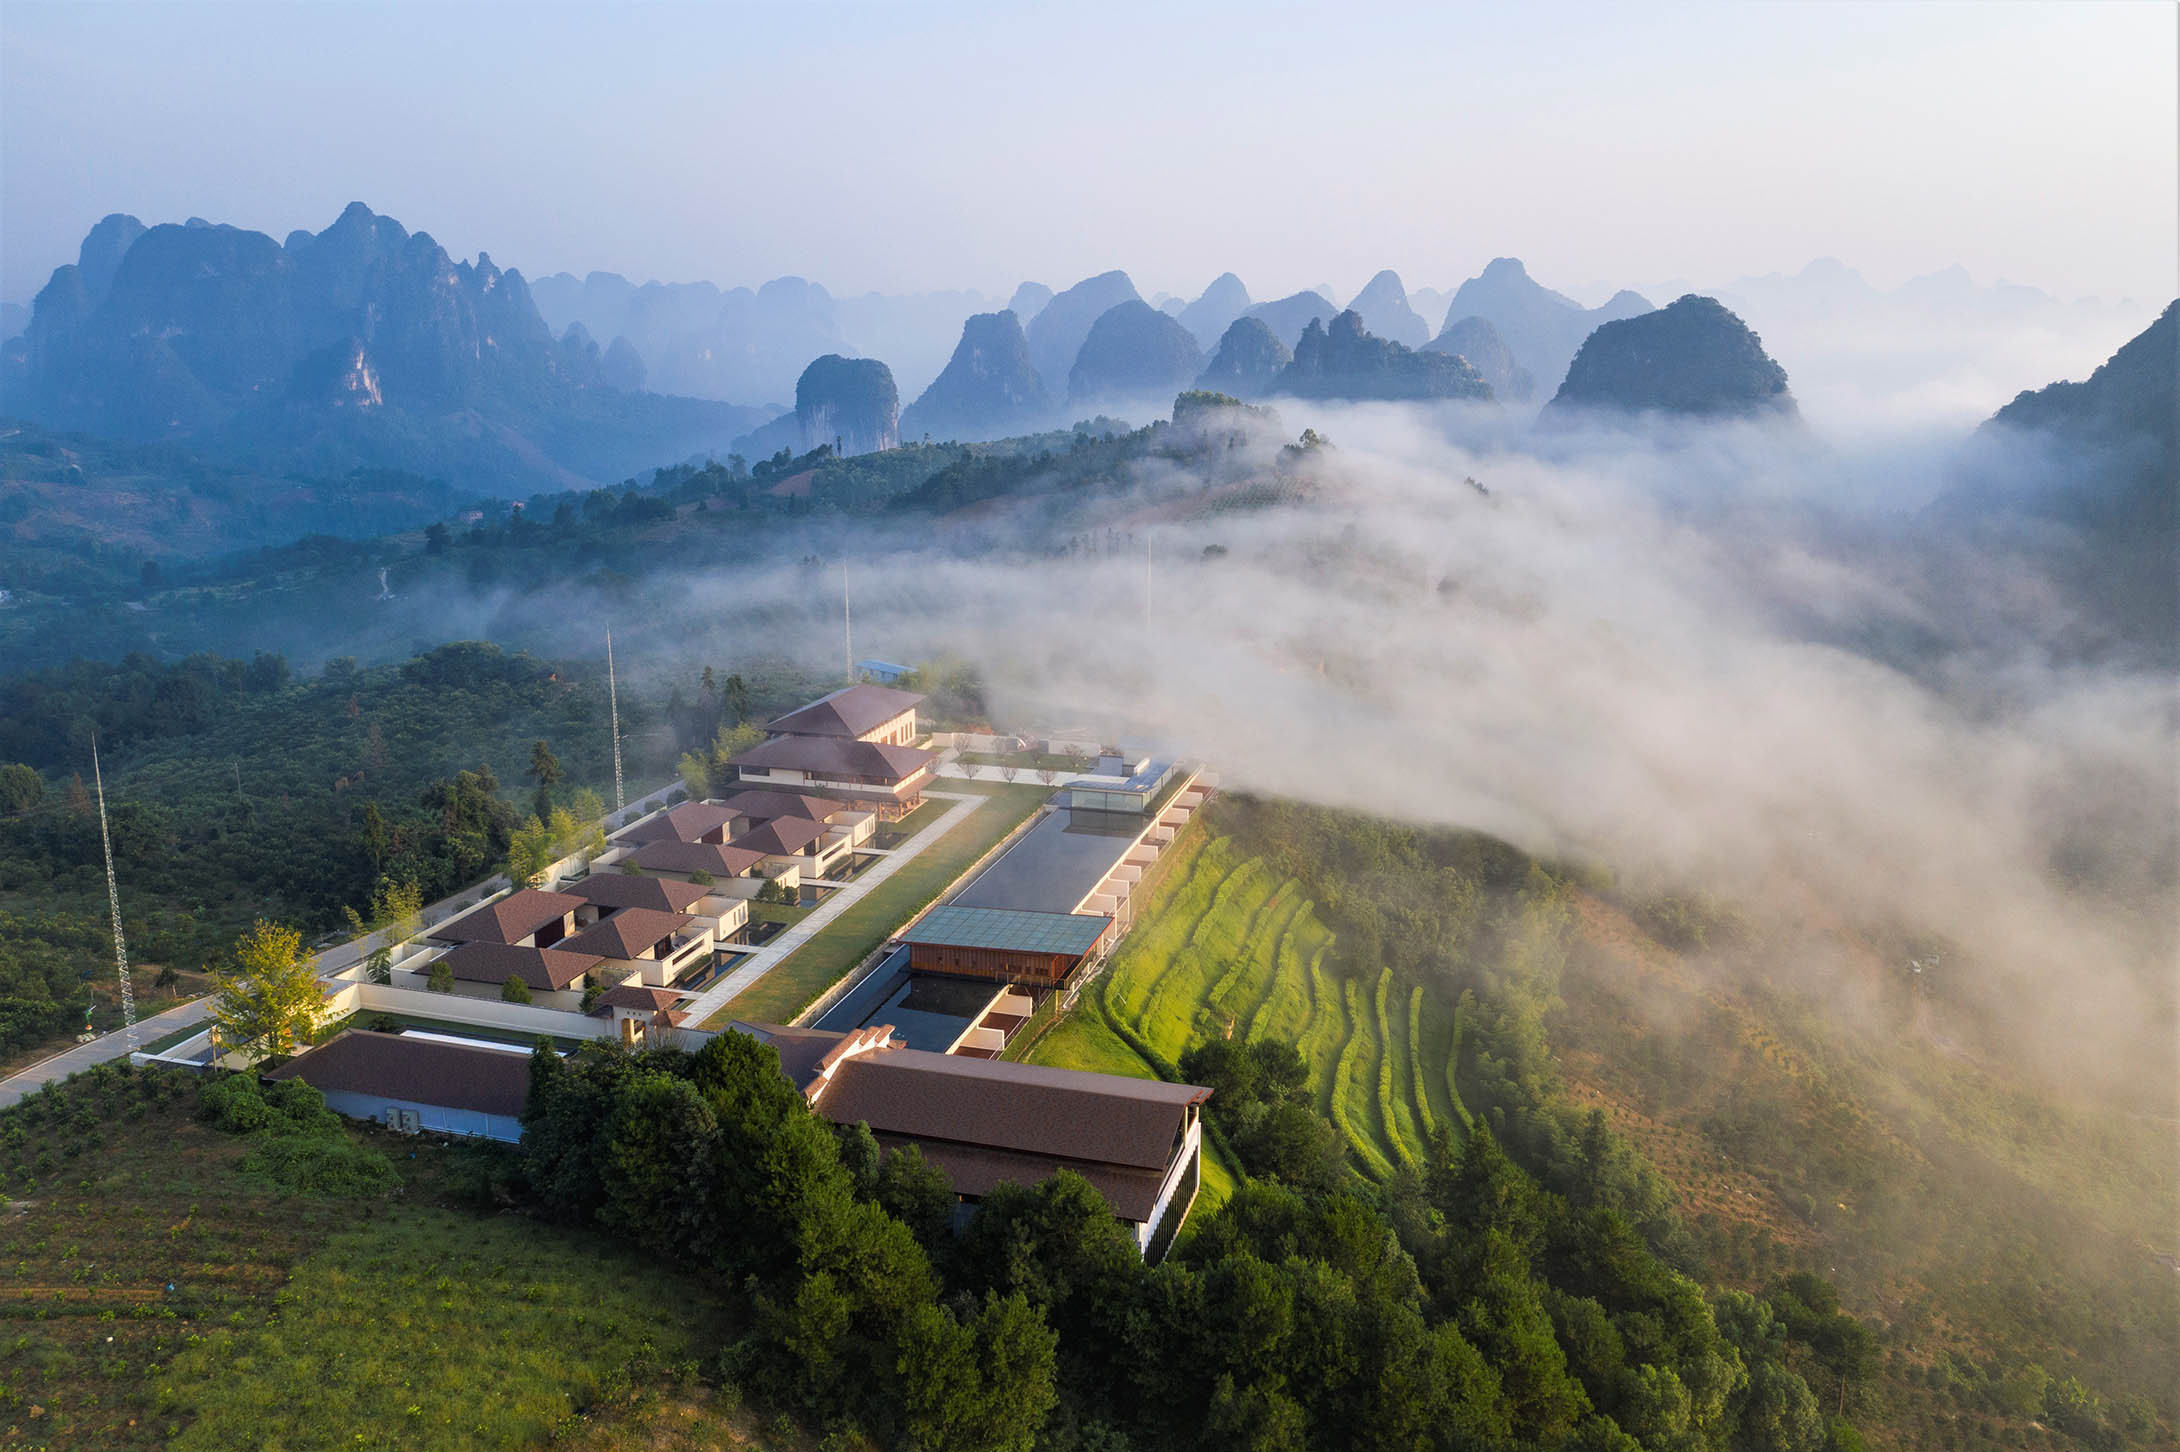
(1009, 930)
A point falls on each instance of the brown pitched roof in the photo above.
(689, 822)
(515, 916)
(424, 1071)
(781, 837)
(630, 890)
(837, 757)
(719, 859)
(627, 933)
(1027, 1109)
(762, 807)
(555, 968)
(637, 996)
(801, 1050)
(850, 711)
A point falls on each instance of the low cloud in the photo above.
(1657, 657)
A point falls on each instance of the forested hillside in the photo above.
(1442, 991)
(236, 789)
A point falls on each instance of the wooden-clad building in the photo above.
(1038, 950)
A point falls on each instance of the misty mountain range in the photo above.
(365, 346)
(360, 346)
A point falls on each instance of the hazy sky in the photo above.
(913, 146)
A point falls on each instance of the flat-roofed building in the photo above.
(986, 1122)
(1004, 945)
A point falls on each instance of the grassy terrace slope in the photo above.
(1227, 947)
(157, 1295)
(846, 941)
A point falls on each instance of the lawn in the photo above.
(796, 981)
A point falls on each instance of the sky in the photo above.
(919, 146)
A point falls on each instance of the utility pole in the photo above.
(847, 621)
(1146, 577)
(113, 901)
(613, 707)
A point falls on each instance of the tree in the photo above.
(514, 990)
(545, 771)
(529, 853)
(731, 742)
(737, 697)
(269, 998)
(983, 1386)
(435, 539)
(21, 788)
(441, 977)
(695, 775)
(377, 842)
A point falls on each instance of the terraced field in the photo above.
(1228, 948)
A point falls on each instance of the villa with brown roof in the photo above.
(689, 822)
(718, 859)
(529, 919)
(860, 713)
(983, 1122)
(658, 946)
(409, 1082)
(560, 969)
(886, 778)
(854, 742)
(639, 1015)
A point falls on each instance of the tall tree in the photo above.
(545, 771)
(268, 999)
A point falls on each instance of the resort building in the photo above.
(526, 919)
(415, 1083)
(982, 1122)
(854, 743)
(875, 714)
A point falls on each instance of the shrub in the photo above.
(441, 978)
(235, 1105)
(300, 1108)
(514, 990)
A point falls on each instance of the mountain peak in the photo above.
(1694, 358)
(1346, 360)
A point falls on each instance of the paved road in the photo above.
(108, 1046)
(756, 965)
(335, 959)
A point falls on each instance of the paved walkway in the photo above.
(756, 965)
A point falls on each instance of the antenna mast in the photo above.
(613, 705)
(847, 621)
(113, 901)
